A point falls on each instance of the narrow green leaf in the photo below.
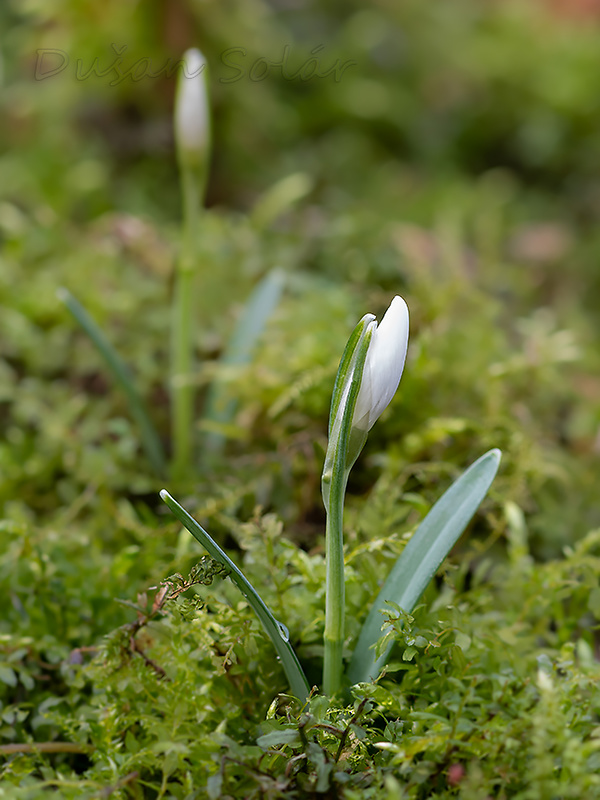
(275, 630)
(220, 408)
(117, 367)
(347, 364)
(276, 738)
(214, 785)
(421, 558)
(280, 198)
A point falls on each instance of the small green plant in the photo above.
(367, 379)
(193, 141)
(192, 137)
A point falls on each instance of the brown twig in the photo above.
(135, 647)
(143, 618)
(108, 790)
(353, 721)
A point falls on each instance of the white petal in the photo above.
(191, 106)
(383, 366)
(364, 401)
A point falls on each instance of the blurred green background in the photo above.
(448, 152)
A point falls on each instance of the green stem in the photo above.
(345, 443)
(335, 603)
(182, 388)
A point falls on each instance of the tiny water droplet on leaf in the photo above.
(285, 634)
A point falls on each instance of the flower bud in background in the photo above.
(192, 119)
(383, 365)
(192, 138)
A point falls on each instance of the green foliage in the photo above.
(420, 560)
(454, 163)
(491, 686)
(275, 629)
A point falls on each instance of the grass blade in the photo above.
(280, 198)
(220, 408)
(421, 558)
(275, 630)
(120, 372)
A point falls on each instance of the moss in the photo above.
(454, 163)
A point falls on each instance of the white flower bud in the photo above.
(383, 365)
(191, 107)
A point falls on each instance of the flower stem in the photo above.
(182, 389)
(335, 605)
(342, 451)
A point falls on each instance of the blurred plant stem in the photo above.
(182, 386)
(192, 138)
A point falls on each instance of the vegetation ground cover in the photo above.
(455, 163)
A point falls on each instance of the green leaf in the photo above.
(275, 630)
(214, 786)
(8, 675)
(220, 408)
(457, 655)
(275, 738)
(120, 372)
(594, 602)
(280, 198)
(421, 558)
(409, 653)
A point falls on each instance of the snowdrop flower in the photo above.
(191, 108)
(383, 365)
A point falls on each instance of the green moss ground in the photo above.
(457, 163)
